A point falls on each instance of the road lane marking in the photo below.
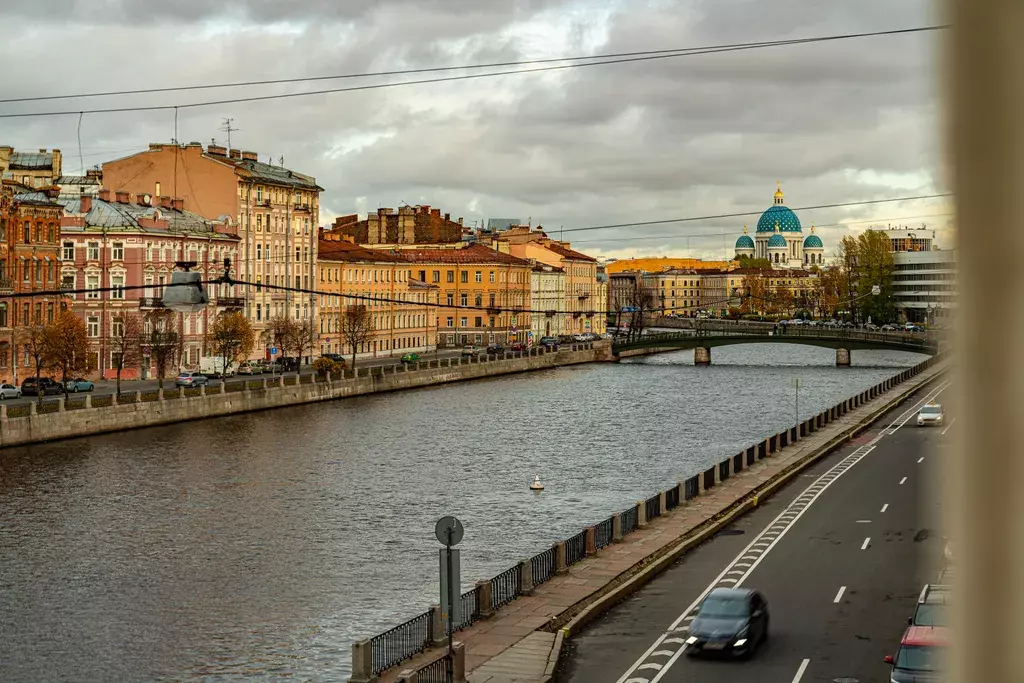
(903, 481)
(801, 670)
(839, 595)
(864, 545)
(947, 428)
(920, 460)
(885, 507)
(863, 521)
(751, 557)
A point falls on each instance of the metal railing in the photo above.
(672, 498)
(691, 487)
(542, 566)
(629, 520)
(505, 586)
(151, 302)
(576, 548)
(400, 643)
(469, 610)
(908, 339)
(603, 532)
(435, 672)
(652, 507)
(723, 470)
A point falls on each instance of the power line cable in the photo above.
(464, 77)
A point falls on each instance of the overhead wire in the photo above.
(642, 57)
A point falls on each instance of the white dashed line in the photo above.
(839, 595)
(863, 521)
(864, 545)
(801, 670)
(885, 507)
(903, 481)
(947, 428)
(920, 460)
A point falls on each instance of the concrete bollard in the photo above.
(641, 514)
(202, 391)
(617, 529)
(362, 663)
(437, 626)
(458, 663)
(408, 676)
(113, 398)
(60, 405)
(88, 401)
(526, 577)
(3, 412)
(280, 380)
(484, 599)
(33, 408)
(138, 397)
(561, 565)
(223, 387)
(181, 391)
(702, 356)
(662, 502)
(159, 395)
(590, 540)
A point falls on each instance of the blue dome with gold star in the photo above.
(813, 242)
(778, 213)
(744, 242)
(777, 241)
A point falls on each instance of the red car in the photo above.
(518, 346)
(922, 655)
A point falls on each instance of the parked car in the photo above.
(921, 656)
(551, 343)
(250, 369)
(731, 621)
(337, 358)
(930, 414)
(496, 349)
(40, 386)
(189, 378)
(411, 358)
(932, 606)
(289, 363)
(517, 347)
(272, 366)
(470, 351)
(9, 391)
(79, 384)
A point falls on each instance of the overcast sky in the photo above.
(836, 122)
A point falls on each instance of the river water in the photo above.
(260, 546)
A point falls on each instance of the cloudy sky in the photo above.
(644, 141)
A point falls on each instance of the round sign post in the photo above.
(449, 531)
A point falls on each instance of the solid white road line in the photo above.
(920, 460)
(839, 595)
(801, 670)
(863, 521)
(947, 427)
(885, 507)
(864, 545)
(903, 481)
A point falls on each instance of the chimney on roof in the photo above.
(249, 156)
(53, 191)
(216, 150)
(236, 154)
(178, 204)
(104, 194)
(164, 201)
(122, 196)
(447, 217)
(94, 174)
(143, 199)
(42, 150)
(85, 202)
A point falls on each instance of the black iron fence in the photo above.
(414, 636)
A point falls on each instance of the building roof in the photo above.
(31, 161)
(339, 250)
(744, 242)
(813, 242)
(543, 268)
(781, 214)
(35, 199)
(472, 254)
(267, 173)
(503, 223)
(79, 180)
(777, 241)
(125, 217)
(566, 252)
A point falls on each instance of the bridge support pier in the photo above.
(702, 355)
(842, 358)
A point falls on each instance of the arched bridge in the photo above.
(842, 340)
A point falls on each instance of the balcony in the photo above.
(231, 302)
(302, 207)
(6, 286)
(151, 302)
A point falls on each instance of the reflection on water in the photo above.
(262, 545)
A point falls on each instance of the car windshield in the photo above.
(719, 607)
(931, 410)
(931, 615)
(919, 658)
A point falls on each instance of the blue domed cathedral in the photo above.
(780, 239)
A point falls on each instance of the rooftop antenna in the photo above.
(282, 161)
(228, 128)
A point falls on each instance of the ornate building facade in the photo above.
(780, 238)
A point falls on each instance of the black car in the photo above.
(496, 349)
(40, 386)
(730, 621)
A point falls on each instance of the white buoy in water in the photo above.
(536, 485)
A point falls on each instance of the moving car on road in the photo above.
(411, 358)
(40, 386)
(496, 349)
(188, 378)
(79, 384)
(922, 655)
(250, 369)
(730, 621)
(9, 391)
(930, 415)
(932, 607)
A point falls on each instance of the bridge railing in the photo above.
(907, 339)
(419, 633)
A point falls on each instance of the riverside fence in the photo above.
(406, 640)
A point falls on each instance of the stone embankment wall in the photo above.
(131, 411)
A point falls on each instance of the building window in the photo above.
(463, 322)
(117, 328)
(465, 299)
(39, 314)
(451, 276)
(259, 194)
(478, 276)
(27, 236)
(92, 325)
(451, 299)
(464, 276)
(492, 276)
(69, 251)
(93, 251)
(117, 282)
(492, 300)
(479, 321)
(118, 251)
(39, 271)
(51, 233)
(92, 283)
(436, 276)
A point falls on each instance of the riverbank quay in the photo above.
(62, 419)
(513, 626)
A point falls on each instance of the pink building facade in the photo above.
(119, 240)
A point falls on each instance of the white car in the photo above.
(9, 391)
(930, 415)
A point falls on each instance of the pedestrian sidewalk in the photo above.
(506, 649)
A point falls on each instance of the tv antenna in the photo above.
(228, 128)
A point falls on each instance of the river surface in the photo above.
(260, 546)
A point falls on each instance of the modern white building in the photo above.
(924, 285)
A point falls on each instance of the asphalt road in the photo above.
(106, 387)
(840, 554)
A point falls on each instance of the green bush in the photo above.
(324, 365)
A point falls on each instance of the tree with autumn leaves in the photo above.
(231, 337)
(66, 346)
